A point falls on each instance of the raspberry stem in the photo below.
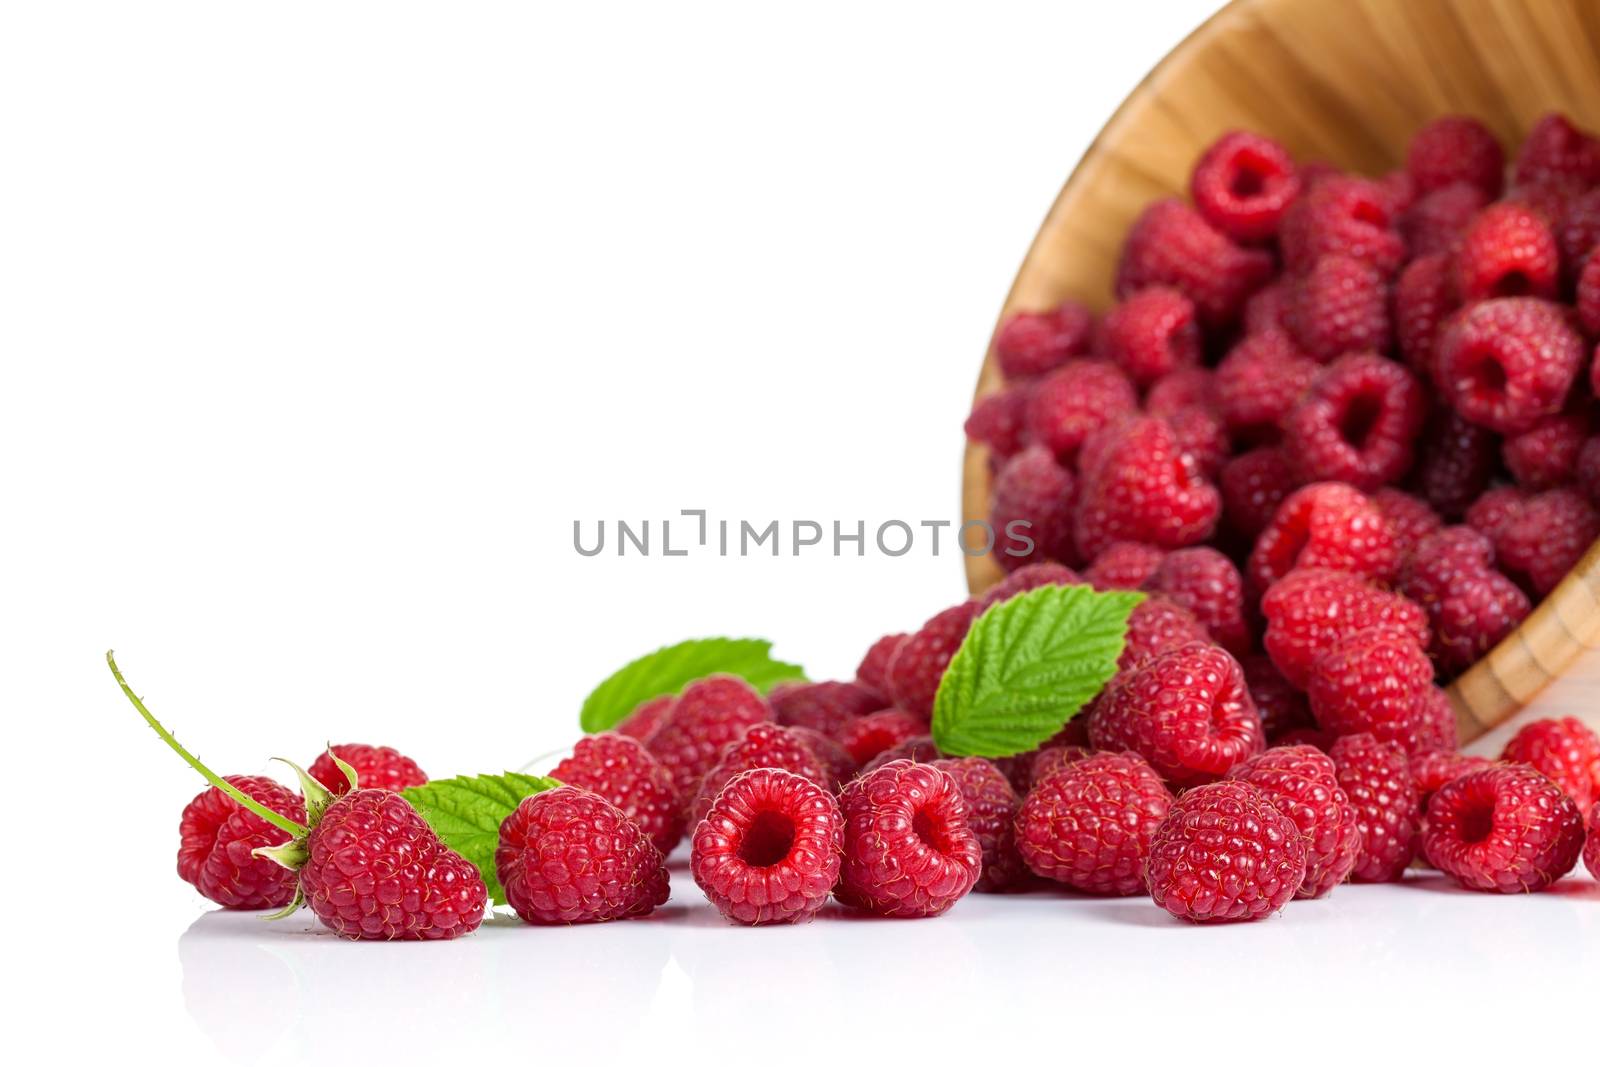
(281, 822)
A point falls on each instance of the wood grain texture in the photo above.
(1348, 82)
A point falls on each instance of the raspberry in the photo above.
(1253, 484)
(1579, 232)
(1185, 710)
(1242, 185)
(1338, 305)
(1075, 401)
(873, 673)
(1034, 489)
(908, 852)
(1507, 250)
(991, 809)
(1589, 470)
(1259, 382)
(376, 767)
(1202, 437)
(1591, 851)
(1089, 824)
(708, 714)
(1000, 420)
(1547, 537)
(1556, 150)
(835, 759)
(1505, 364)
(919, 749)
(1156, 625)
(1021, 580)
(1410, 519)
(826, 707)
(1563, 750)
(1035, 342)
(1400, 188)
(1171, 244)
(1049, 761)
(642, 721)
(1341, 215)
(1458, 459)
(1470, 605)
(1493, 513)
(1356, 423)
(1546, 455)
(1186, 387)
(1150, 334)
(1435, 223)
(217, 838)
(1312, 610)
(1124, 565)
(1376, 776)
(1374, 681)
(1282, 707)
(763, 745)
(1424, 297)
(1225, 854)
(622, 771)
(1432, 771)
(1206, 582)
(1263, 312)
(880, 731)
(1588, 300)
(1329, 526)
(1303, 784)
(569, 856)
(1436, 726)
(1455, 148)
(915, 671)
(1144, 488)
(768, 850)
(1504, 829)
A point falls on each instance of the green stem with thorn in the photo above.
(285, 824)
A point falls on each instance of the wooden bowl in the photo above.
(1346, 82)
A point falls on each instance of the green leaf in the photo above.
(1027, 666)
(668, 670)
(466, 813)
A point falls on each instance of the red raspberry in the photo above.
(1171, 244)
(991, 809)
(1325, 525)
(1089, 824)
(1401, 189)
(1338, 305)
(1303, 784)
(1547, 455)
(1342, 215)
(1547, 538)
(1374, 681)
(217, 838)
(1432, 771)
(1000, 420)
(1282, 707)
(1156, 625)
(1242, 185)
(569, 856)
(1263, 312)
(919, 749)
(1150, 334)
(763, 745)
(1259, 382)
(1504, 829)
(879, 732)
(1202, 437)
(1186, 387)
(708, 714)
(1253, 485)
(1312, 610)
(1436, 729)
(1021, 768)
(1185, 710)
(1075, 401)
(622, 771)
(1050, 761)
(1144, 488)
(1493, 513)
(1206, 582)
(1225, 854)
(835, 758)
(1588, 301)
(1035, 342)
(1589, 470)
(1508, 250)
(1376, 776)
(642, 721)
(1591, 851)
(1579, 232)
(917, 667)
(1124, 565)
(1506, 364)
(1458, 459)
(1556, 150)
(1356, 423)
(1424, 297)
(1470, 605)
(908, 852)
(1034, 489)
(1456, 148)
(376, 767)
(1410, 519)
(1435, 223)
(1563, 750)
(827, 707)
(873, 673)
(1023, 579)
(768, 850)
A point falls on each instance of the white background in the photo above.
(321, 323)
